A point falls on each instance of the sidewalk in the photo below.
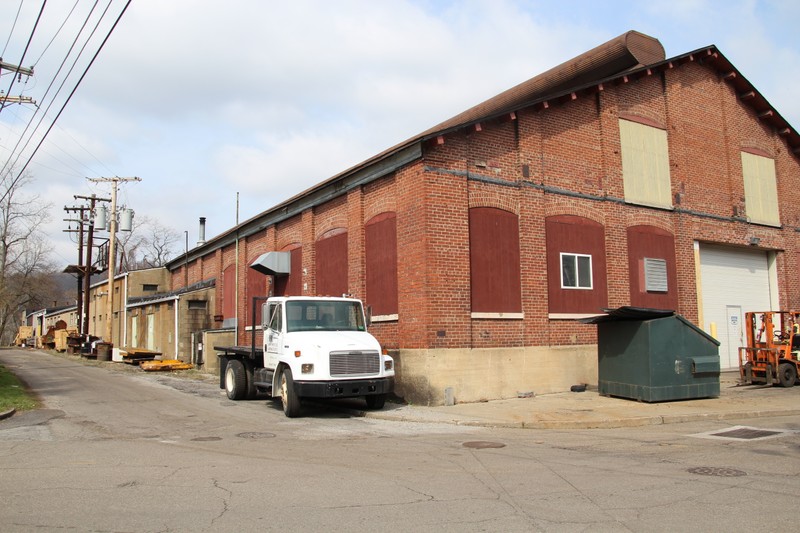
(588, 410)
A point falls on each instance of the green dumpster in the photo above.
(654, 355)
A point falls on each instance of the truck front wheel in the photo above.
(235, 380)
(375, 401)
(289, 399)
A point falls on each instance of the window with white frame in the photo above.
(576, 271)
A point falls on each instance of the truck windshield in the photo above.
(311, 315)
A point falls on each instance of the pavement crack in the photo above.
(225, 500)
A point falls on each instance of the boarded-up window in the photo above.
(331, 271)
(256, 286)
(760, 189)
(381, 263)
(651, 267)
(645, 164)
(291, 285)
(579, 244)
(229, 292)
(494, 261)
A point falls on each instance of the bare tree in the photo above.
(24, 264)
(148, 244)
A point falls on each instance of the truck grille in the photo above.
(356, 363)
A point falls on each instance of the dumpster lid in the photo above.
(642, 313)
(628, 313)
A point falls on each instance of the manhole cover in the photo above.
(255, 435)
(206, 439)
(715, 471)
(746, 433)
(482, 444)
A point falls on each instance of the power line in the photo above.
(13, 26)
(27, 45)
(69, 98)
(8, 163)
(59, 31)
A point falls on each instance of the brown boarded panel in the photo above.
(331, 271)
(229, 292)
(381, 262)
(291, 285)
(494, 261)
(256, 286)
(656, 243)
(577, 235)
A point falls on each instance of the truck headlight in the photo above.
(307, 368)
(388, 364)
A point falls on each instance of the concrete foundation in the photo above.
(474, 375)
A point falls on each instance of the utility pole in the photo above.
(87, 264)
(15, 68)
(111, 242)
(80, 269)
(16, 99)
(4, 99)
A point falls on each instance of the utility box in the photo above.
(654, 355)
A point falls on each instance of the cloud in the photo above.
(203, 99)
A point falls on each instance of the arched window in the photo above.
(494, 261)
(381, 264)
(651, 267)
(331, 269)
(576, 265)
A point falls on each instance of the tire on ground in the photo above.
(375, 401)
(289, 399)
(235, 380)
(787, 374)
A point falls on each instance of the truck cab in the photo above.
(313, 347)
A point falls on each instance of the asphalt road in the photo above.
(128, 451)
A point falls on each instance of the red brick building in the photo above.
(618, 178)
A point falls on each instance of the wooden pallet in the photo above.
(167, 364)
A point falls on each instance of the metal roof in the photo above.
(620, 60)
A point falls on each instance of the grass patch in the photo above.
(14, 394)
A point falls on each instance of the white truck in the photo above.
(313, 347)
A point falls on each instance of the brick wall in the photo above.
(562, 158)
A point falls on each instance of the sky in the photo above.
(225, 109)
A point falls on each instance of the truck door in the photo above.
(273, 336)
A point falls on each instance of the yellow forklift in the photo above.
(773, 348)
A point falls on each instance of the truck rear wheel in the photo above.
(235, 380)
(787, 374)
(375, 401)
(289, 399)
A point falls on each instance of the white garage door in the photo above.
(734, 281)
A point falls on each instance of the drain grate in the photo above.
(747, 433)
(716, 471)
(206, 439)
(744, 433)
(255, 435)
(483, 444)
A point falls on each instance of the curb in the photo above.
(609, 423)
(7, 414)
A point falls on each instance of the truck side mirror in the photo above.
(369, 315)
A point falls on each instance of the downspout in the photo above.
(177, 317)
(236, 299)
(124, 311)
